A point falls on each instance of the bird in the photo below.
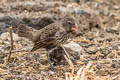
(52, 35)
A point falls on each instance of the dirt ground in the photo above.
(98, 36)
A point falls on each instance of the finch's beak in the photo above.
(75, 27)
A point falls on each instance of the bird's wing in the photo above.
(46, 37)
(43, 43)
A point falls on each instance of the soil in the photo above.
(98, 35)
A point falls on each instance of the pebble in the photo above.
(73, 46)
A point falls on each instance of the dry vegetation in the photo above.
(99, 35)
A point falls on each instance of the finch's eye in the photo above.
(69, 22)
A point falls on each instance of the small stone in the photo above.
(73, 46)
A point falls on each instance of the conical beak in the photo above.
(75, 27)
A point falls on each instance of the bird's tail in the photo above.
(25, 31)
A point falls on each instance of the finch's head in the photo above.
(69, 24)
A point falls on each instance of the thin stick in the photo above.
(68, 59)
(109, 59)
(66, 52)
(115, 74)
(11, 48)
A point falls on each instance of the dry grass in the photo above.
(100, 55)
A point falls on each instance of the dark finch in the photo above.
(51, 36)
(54, 34)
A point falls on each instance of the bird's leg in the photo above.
(49, 60)
(49, 52)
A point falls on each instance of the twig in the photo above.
(109, 59)
(116, 74)
(11, 48)
(68, 59)
(66, 52)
